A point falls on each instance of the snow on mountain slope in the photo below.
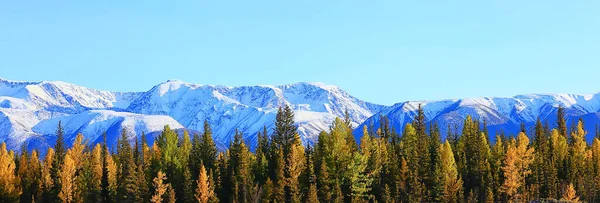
(59, 97)
(29, 111)
(501, 113)
(92, 124)
(249, 108)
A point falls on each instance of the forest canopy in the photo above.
(549, 162)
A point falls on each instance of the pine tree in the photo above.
(127, 187)
(239, 171)
(360, 181)
(9, 182)
(260, 169)
(188, 186)
(561, 123)
(222, 183)
(423, 153)
(195, 159)
(496, 163)
(436, 179)
(209, 149)
(309, 179)
(349, 135)
(57, 163)
(168, 142)
(285, 129)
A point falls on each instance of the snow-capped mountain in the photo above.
(249, 108)
(501, 114)
(30, 111)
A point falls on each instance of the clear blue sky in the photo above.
(379, 51)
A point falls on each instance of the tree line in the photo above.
(416, 165)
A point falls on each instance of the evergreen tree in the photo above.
(261, 166)
(561, 123)
(436, 178)
(496, 164)
(222, 184)
(168, 142)
(239, 171)
(475, 153)
(349, 136)
(195, 159)
(57, 163)
(285, 129)
(308, 178)
(127, 187)
(208, 148)
(188, 186)
(412, 149)
(424, 169)
(93, 175)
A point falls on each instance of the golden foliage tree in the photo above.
(160, 188)
(9, 182)
(204, 191)
(570, 194)
(67, 178)
(518, 159)
(452, 183)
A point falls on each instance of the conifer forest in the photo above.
(550, 163)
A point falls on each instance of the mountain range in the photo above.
(30, 111)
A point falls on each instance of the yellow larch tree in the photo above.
(204, 191)
(9, 181)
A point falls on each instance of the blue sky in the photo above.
(379, 51)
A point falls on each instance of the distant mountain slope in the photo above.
(29, 111)
(501, 114)
(249, 108)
